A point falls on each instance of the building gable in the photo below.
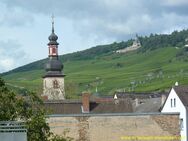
(173, 103)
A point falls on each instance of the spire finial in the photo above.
(53, 37)
(52, 23)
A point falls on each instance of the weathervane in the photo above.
(53, 23)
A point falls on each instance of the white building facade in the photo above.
(176, 102)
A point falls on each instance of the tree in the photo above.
(28, 108)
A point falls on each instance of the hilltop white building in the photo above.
(136, 44)
(186, 42)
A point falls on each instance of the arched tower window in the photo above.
(55, 84)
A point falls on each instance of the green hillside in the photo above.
(154, 67)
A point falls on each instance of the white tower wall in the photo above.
(53, 88)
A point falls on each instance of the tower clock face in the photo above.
(55, 84)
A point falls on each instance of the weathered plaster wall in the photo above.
(51, 92)
(116, 127)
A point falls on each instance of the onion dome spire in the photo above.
(53, 37)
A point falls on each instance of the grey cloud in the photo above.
(118, 19)
(175, 2)
(180, 10)
(11, 48)
(11, 55)
(14, 16)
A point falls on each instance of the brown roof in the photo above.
(74, 106)
(182, 92)
(134, 95)
(114, 106)
(63, 107)
(148, 105)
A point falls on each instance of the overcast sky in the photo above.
(26, 24)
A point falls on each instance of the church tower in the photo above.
(53, 80)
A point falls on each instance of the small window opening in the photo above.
(55, 84)
(171, 103)
(174, 102)
(181, 124)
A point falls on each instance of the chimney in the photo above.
(85, 102)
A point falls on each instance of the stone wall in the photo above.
(116, 127)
